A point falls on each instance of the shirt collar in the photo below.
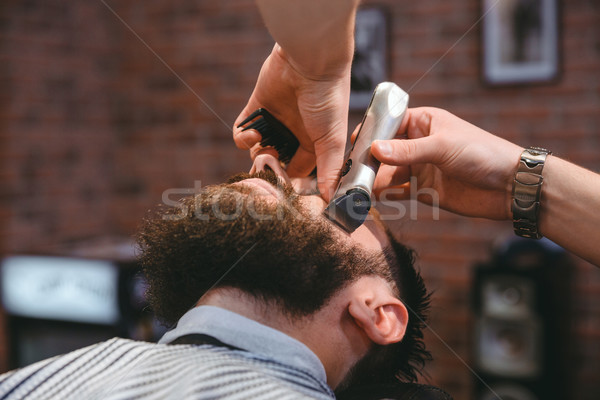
(236, 330)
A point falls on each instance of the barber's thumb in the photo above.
(404, 151)
(328, 171)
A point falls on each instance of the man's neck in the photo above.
(330, 333)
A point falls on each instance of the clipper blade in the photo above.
(350, 210)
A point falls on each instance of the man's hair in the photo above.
(282, 256)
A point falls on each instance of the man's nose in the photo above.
(265, 161)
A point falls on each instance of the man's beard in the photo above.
(368, 369)
(276, 251)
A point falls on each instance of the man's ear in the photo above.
(381, 315)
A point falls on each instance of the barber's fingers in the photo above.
(246, 139)
(257, 150)
(265, 161)
(394, 193)
(390, 181)
(330, 157)
(408, 151)
(420, 148)
(355, 133)
(302, 163)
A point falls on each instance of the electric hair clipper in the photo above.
(352, 200)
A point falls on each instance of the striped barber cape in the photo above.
(126, 369)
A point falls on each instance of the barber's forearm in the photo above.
(318, 35)
(570, 208)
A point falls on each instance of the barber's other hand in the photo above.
(471, 170)
(314, 108)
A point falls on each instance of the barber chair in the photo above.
(396, 391)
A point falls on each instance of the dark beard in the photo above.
(273, 250)
(367, 369)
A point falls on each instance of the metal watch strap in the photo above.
(527, 188)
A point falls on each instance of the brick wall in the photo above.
(178, 111)
(57, 137)
(101, 113)
(57, 67)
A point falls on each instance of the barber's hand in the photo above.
(470, 169)
(314, 108)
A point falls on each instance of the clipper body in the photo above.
(352, 199)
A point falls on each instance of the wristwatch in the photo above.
(527, 189)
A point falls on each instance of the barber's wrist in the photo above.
(318, 68)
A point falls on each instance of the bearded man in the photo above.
(270, 300)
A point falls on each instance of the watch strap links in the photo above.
(527, 188)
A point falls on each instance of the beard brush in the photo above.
(274, 134)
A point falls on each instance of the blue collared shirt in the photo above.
(260, 341)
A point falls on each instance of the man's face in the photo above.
(371, 235)
(254, 234)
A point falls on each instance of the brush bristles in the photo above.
(274, 134)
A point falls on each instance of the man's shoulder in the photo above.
(119, 366)
(23, 382)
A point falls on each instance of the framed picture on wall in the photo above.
(520, 41)
(369, 66)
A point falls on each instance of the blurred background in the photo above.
(105, 105)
